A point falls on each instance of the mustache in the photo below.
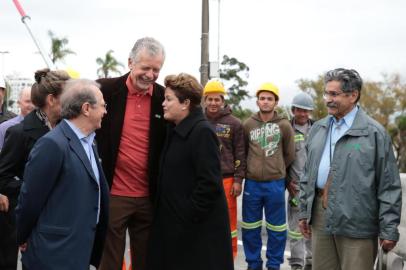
(331, 105)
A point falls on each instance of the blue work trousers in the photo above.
(259, 196)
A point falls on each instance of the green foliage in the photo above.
(108, 65)
(58, 48)
(234, 73)
(399, 141)
(242, 114)
(283, 112)
(401, 122)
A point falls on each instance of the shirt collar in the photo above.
(133, 91)
(89, 139)
(348, 119)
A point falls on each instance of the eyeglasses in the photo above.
(327, 94)
(95, 105)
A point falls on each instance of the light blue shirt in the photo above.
(87, 143)
(337, 129)
(6, 124)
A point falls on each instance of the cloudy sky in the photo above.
(281, 41)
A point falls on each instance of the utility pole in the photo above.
(204, 67)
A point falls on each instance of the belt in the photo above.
(319, 192)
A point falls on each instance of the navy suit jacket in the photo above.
(58, 205)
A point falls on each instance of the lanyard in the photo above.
(331, 131)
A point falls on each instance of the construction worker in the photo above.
(230, 133)
(271, 149)
(300, 248)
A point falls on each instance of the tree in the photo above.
(378, 100)
(108, 65)
(235, 74)
(315, 88)
(58, 48)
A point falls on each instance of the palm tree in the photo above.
(107, 65)
(58, 48)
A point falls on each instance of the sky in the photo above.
(280, 41)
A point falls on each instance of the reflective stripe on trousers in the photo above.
(259, 196)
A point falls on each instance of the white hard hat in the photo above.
(303, 101)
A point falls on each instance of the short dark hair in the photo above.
(185, 86)
(47, 82)
(349, 79)
(76, 93)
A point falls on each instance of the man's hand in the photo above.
(236, 189)
(291, 186)
(23, 247)
(4, 203)
(387, 245)
(305, 228)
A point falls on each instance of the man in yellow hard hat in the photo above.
(230, 132)
(271, 149)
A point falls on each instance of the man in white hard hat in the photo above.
(300, 248)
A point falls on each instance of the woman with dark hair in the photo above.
(191, 228)
(18, 143)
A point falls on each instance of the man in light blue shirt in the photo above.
(65, 193)
(336, 130)
(350, 192)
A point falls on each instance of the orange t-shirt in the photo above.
(131, 173)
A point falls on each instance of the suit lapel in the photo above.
(98, 163)
(77, 148)
(117, 110)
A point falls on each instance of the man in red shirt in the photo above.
(130, 143)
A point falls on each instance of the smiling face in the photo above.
(24, 102)
(302, 116)
(174, 111)
(98, 110)
(338, 102)
(214, 103)
(144, 69)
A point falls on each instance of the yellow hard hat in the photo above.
(72, 73)
(214, 87)
(269, 87)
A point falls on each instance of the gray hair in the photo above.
(24, 90)
(153, 47)
(75, 94)
(349, 79)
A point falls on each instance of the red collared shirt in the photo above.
(131, 172)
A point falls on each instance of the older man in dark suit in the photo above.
(63, 205)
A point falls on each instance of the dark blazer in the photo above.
(108, 137)
(191, 228)
(18, 143)
(58, 204)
